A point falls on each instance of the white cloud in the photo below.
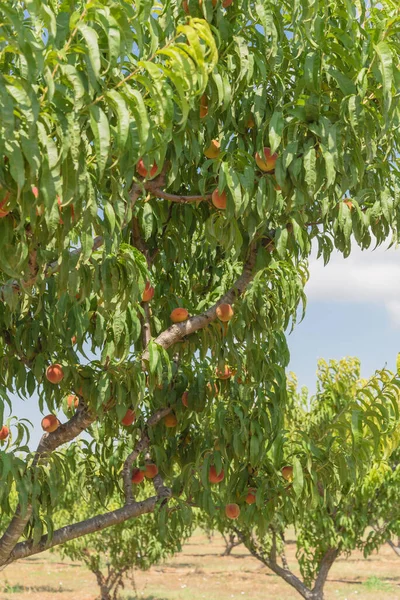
(365, 276)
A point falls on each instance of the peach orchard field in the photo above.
(200, 572)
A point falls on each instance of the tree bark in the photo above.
(230, 544)
(396, 549)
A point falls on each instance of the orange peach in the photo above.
(137, 476)
(213, 149)
(232, 511)
(4, 431)
(148, 292)
(287, 473)
(219, 200)
(226, 3)
(203, 104)
(35, 191)
(214, 477)
(50, 423)
(150, 471)
(54, 373)
(251, 496)
(129, 418)
(3, 211)
(170, 420)
(72, 401)
(267, 163)
(143, 172)
(178, 315)
(226, 373)
(185, 396)
(224, 312)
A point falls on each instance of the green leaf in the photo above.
(101, 133)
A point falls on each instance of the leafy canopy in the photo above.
(87, 90)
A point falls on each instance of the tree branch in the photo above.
(270, 562)
(393, 546)
(175, 198)
(71, 532)
(177, 331)
(323, 569)
(140, 446)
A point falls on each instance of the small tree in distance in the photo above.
(113, 554)
(353, 432)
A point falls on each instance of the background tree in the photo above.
(163, 156)
(338, 443)
(118, 551)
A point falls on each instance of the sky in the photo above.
(353, 310)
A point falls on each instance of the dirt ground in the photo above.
(200, 572)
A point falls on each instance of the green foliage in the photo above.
(340, 444)
(87, 89)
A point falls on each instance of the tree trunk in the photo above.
(230, 544)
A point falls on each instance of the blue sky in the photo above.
(353, 310)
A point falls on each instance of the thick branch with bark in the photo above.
(176, 332)
(71, 532)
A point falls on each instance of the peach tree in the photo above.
(165, 168)
(117, 552)
(340, 444)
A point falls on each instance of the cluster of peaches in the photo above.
(265, 163)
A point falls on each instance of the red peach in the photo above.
(54, 373)
(72, 401)
(214, 477)
(137, 476)
(219, 200)
(150, 471)
(50, 423)
(232, 511)
(185, 396)
(143, 172)
(178, 315)
(267, 163)
(4, 431)
(251, 496)
(129, 418)
(148, 292)
(224, 312)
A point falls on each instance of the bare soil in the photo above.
(200, 572)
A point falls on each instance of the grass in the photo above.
(200, 573)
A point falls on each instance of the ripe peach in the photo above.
(287, 473)
(178, 315)
(203, 103)
(143, 172)
(137, 476)
(4, 431)
(150, 471)
(148, 292)
(185, 396)
(267, 163)
(129, 418)
(50, 423)
(214, 477)
(170, 420)
(219, 200)
(72, 401)
(232, 511)
(73, 340)
(226, 3)
(35, 191)
(4, 212)
(225, 374)
(54, 373)
(213, 149)
(348, 203)
(251, 496)
(224, 312)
